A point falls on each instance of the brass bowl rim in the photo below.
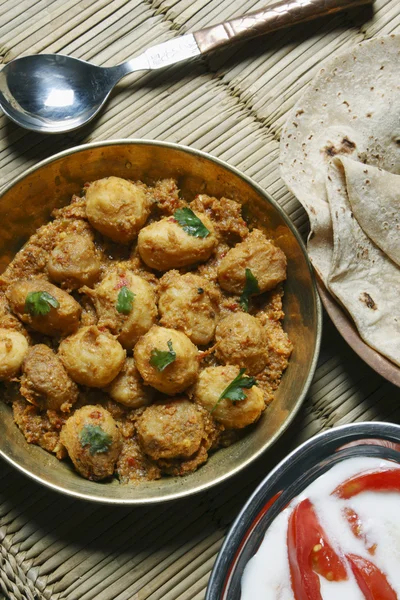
(318, 310)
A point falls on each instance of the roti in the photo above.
(374, 196)
(351, 109)
(340, 156)
(362, 277)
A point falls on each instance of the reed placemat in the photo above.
(232, 104)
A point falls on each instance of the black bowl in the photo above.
(285, 482)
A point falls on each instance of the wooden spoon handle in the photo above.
(273, 17)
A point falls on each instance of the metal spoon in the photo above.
(53, 93)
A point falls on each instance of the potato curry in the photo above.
(139, 332)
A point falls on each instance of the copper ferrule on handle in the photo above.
(273, 17)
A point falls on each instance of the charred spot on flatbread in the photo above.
(345, 146)
(368, 301)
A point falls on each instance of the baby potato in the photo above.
(242, 341)
(128, 387)
(165, 245)
(25, 298)
(180, 367)
(92, 357)
(117, 208)
(141, 311)
(173, 429)
(10, 321)
(189, 303)
(74, 261)
(93, 441)
(212, 382)
(45, 382)
(266, 262)
(13, 349)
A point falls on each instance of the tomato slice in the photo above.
(371, 581)
(310, 553)
(305, 582)
(384, 480)
(357, 527)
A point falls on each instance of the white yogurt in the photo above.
(267, 574)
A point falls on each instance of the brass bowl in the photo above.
(26, 204)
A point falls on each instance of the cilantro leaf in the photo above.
(40, 303)
(191, 223)
(125, 300)
(234, 391)
(96, 438)
(250, 287)
(162, 358)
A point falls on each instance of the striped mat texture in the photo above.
(232, 104)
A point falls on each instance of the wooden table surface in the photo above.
(232, 104)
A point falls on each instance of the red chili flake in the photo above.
(172, 220)
(102, 329)
(95, 414)
(123, 282)
(232, 306)
(132, 462)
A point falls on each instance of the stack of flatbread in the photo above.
(340, 156)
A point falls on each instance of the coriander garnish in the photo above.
(191, 223)
(96, 438)
(40, 303)
(125, 300)
(250, 287)
(234, 391)
(162, 358)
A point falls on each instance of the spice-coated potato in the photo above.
(212, 382)
(266, 262)
(13, 349)
(45, 382)
(74, 261)
(189, 303)
(182, 370)
(58, 321)
(173, 429)
(8, 320)
(117, 208)
(128, 387)
(242, 341)
(130, 326)
(165, 245)
(133, 465)
(93, 441)
(92, 357)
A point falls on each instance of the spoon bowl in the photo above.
(53, 92)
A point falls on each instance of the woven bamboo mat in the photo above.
(232, 104)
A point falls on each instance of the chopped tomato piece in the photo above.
(305, 583)
(357, 527)
(384, 480)
(371, 581)
(310, 553)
